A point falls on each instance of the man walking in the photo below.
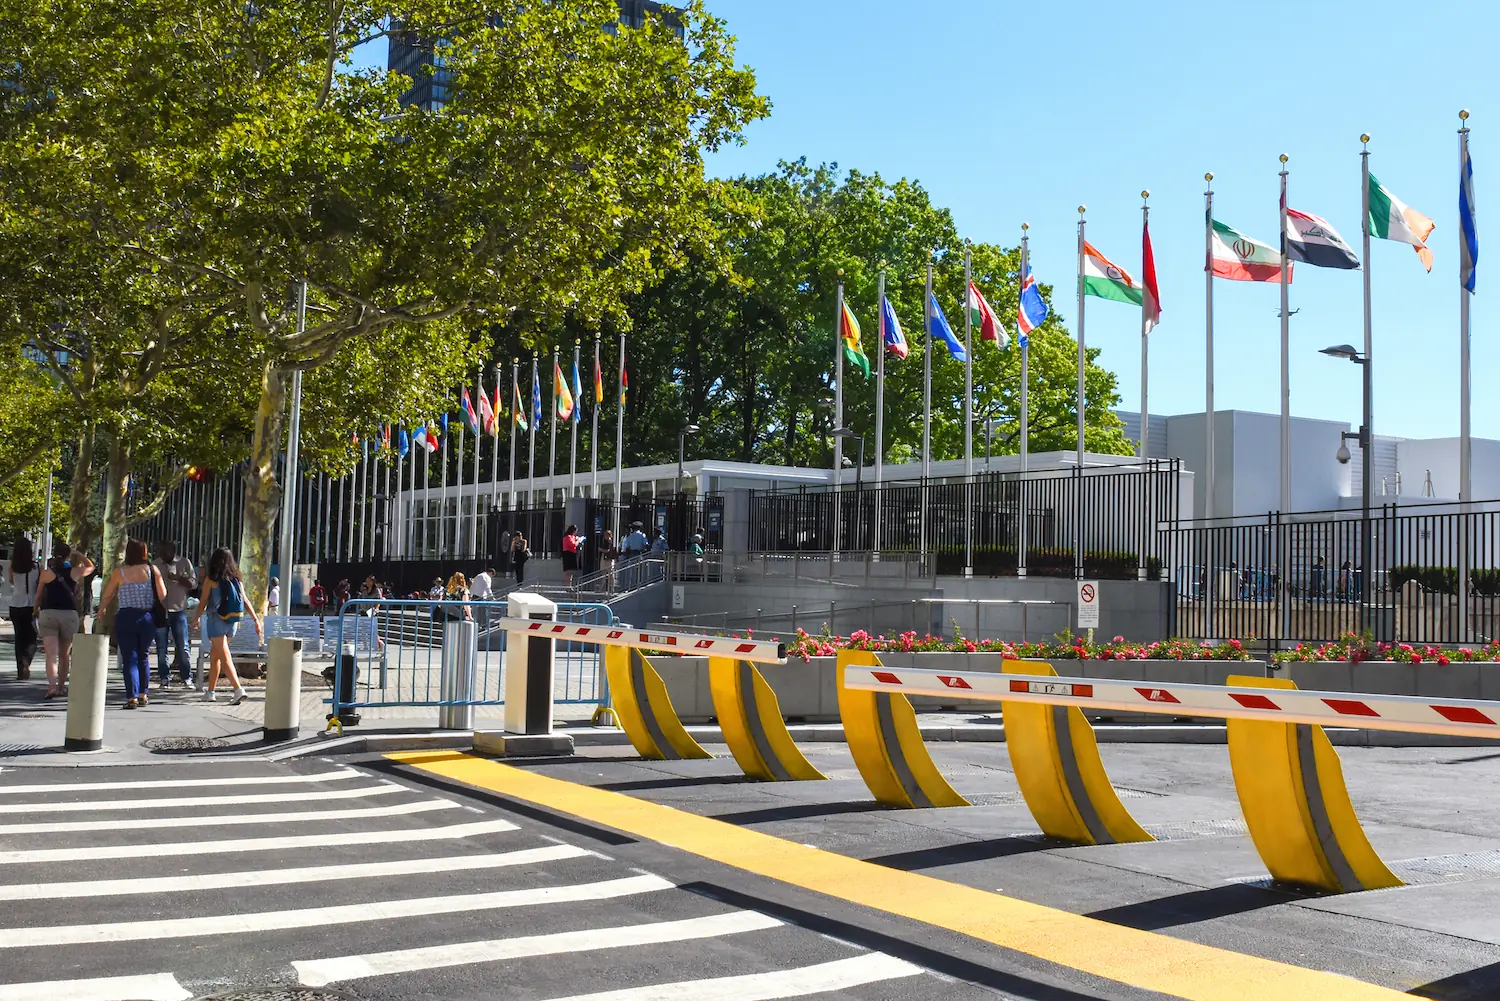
(632, 549)
(482, 588)
(177, 574)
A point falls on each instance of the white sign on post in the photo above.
(1088, 604)
(678, 598)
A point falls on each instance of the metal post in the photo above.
(456, 681)
(573, 422)
(1467, 255)
(1145, 330)
(1286, 356)
(293, 437)
(1208, 344)
(968, 364)
(1082, 350)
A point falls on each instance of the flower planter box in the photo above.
(807, 690)
(1457, 680)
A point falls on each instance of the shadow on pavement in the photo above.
(675, 783)
(798, 811)
(967, 851)
(1194, 905)
(1480, 984)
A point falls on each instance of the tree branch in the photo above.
(335, 12)
(152, 508)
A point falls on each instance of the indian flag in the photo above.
(1240, 259)
(1393, 219)
(854, 351)
(1108, 280)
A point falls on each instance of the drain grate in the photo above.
(1194, 829)
(8, 748)
(282, 994)
(182, 745)
(1448, 868)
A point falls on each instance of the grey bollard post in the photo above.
(87, 678)
(456, 683)
(283, 688)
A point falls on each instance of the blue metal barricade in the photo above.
(395, 648)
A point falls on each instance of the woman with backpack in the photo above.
(139, 587)
(57, 617)
(519, 554)
(224, 597)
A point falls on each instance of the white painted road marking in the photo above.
(836, 976)
(152, 987)
(83, 854)
(316, 917)
(282, 877)
(313, 795)
(269, 780)
(318, 972)
(268, 819)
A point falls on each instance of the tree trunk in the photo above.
(262, 492)
(116, 494)
(81, 530)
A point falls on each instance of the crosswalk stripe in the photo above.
(156, 823)
(152, 987)
(318, 972)
(241, 780)
(835, 976)
(282, 877)
(316, 917)
(383, 789)
(342, 838)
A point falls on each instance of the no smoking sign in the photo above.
(1088, 604)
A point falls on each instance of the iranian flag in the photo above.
(1107, 280)
(1393, 219)
(981, 316)
(1240, 259)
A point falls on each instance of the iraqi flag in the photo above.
(1314, 241)
(1239, 258)
(981, 316)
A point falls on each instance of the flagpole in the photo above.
(838, 410)
(458, 501)
(1286, 356)
(361, 499)
(515, 397)
(1082, 351)
(1467, 255)
(426, 492)
(531, 436)
(619, 440)
(968, 363)
(392, 549)
(926, 406)
(594, 434)
(478, 444)
(1025, 379)
(1145, 452)
(573, 422)
(880, 384)
(293, 441)
(1208, 345)
(374, 494)
(552, 450)
(497, 410)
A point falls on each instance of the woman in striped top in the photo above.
(138, 586)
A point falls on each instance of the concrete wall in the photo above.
(1136, 610)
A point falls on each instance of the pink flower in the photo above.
(1441, 659)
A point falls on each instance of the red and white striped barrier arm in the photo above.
(1455, 717)
(755, 651)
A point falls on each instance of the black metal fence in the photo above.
(1433, 576)
(1094, 522)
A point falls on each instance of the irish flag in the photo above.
(1240, 259)
(1107, 280)
(1393, 219)
(981, 316)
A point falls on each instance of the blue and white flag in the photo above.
(937, 326)
(1032, 308)
(1468, 244)
(895, 340)
(403, 442)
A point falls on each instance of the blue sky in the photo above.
(1021, 112)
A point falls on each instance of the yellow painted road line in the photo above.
(1142, 959)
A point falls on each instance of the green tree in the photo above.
(564, 171)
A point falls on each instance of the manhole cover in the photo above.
(282, 994)
(180, 745)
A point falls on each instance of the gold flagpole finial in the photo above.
(1284, 158)
(1145, 193)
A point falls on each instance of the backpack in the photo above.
(231, 601)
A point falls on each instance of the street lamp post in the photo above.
(859, 507)
(682, 453)
(1367, 472)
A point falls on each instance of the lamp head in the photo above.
(1342, 454)
(1341, 351)
(691, 429)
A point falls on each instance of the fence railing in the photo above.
(1098, 522)
(973, 618)
(1434, 576)
(398, 655)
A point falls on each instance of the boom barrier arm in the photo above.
(1455, 717)
(692, 644)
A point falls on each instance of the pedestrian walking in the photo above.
(57, 619)
(519, 554)
(21, 575)
(138, 586)
(273, 597)
(223, 595)
(570, 542)
(484, 591)
(177, 574)
(341, 594)
(609, 554)
(318, 598)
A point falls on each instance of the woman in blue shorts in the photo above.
(224, 599)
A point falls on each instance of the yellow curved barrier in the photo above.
(887, 746)
(750, 717)
(1291, 790)
(644, 710)
(1057, 765)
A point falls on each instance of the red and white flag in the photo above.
(1151, 303)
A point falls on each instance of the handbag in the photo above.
(158, 610)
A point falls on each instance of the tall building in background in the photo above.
(429, 91)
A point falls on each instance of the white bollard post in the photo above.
(84, 730)
(529, 677)
(283, 688)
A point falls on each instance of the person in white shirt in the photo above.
(482, 588)
(273, 598)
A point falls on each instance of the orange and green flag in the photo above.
(854, 351)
